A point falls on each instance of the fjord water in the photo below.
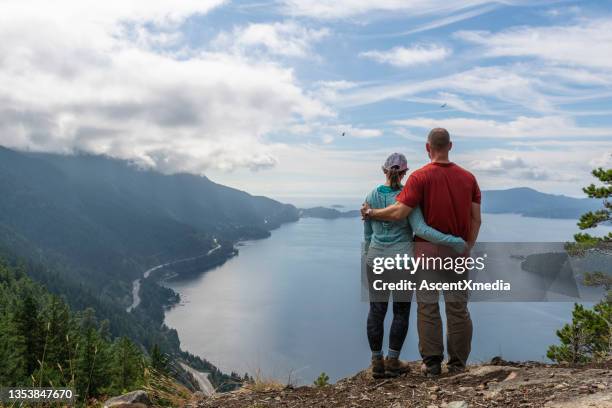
(289, 306)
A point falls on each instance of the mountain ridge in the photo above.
(86, 226)
(524, 201)
(532, 203)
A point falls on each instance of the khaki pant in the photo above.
(458, 327)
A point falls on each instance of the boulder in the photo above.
(457, 404)
(134, 399)
(600, 400)
(499, 372)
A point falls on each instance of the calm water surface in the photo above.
(290, 304)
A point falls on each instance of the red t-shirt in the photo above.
(445, 192)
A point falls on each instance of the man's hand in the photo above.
(394, 212)
(365, 213)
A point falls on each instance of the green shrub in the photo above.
(322, 380)
(587, 338)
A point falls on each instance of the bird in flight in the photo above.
(443, 105)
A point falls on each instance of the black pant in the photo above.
(379, 302)
(399, 326)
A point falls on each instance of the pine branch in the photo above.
(594, 218)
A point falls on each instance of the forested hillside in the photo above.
(109, 221)
(86, 226)
(102, 222)
(43, 343)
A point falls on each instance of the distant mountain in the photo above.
(531, 203)
(327, 213)
(524, 201)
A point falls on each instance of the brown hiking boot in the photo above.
(395, 367)
(378, 367)
(455, 369)
(431, 370)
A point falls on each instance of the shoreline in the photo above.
(136, 299)
(136, 283)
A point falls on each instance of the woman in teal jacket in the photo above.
(386, 239)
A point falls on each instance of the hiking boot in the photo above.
(431, 370)
(378, 367)
(455, 369)
(395, 367)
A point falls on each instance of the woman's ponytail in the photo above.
(395, 178)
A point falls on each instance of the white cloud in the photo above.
(282, 38)
(586, 44)
(521, 127)
(563, 11)
(573, 75)
(555, 66)
(447, 20)
(453, 101)
(337, 9)
(408, 56)
(331, 91)
(315, 171)
(330, 131)
(516, 167)
(327, 139)
(542, 168)
(337, 85)
(155, 11)
(503, 84)
(359, 132)
(500, 163)
(89, 78)
(564, 144)
(603, 160)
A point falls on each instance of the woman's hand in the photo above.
(461, 247)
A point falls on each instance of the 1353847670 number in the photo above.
(8, 394)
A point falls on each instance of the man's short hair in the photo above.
(438, 138)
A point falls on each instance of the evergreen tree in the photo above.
(128, 364)
(27, 331)
(12, 367)
(589, 336)
(592, 219)
(159, 361)
(586, 338)
(91, 371)
(12, 343)
(56, 352)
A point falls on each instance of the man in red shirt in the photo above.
(449, 197)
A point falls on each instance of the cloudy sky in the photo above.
(258, 95)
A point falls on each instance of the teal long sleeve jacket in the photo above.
(386, 234)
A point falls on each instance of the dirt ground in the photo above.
(498, 384)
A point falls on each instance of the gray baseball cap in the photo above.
(396, 160)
